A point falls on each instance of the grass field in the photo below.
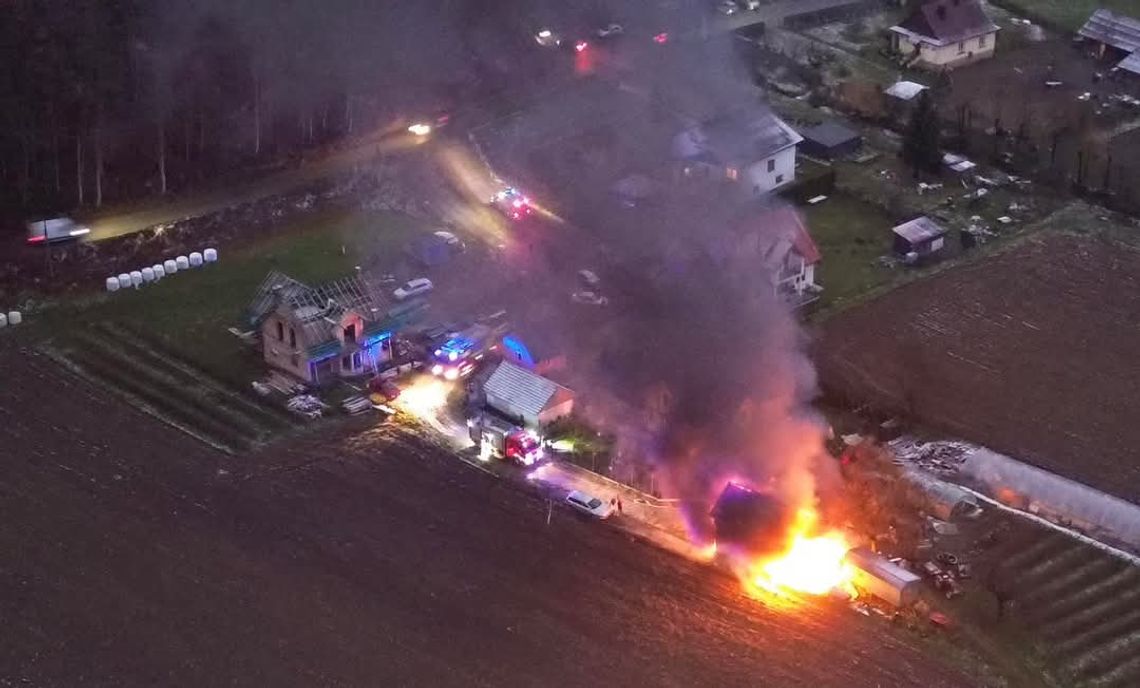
(191, 312)
(851, 235)
(1069, 14)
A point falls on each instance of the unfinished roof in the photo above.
(527, 392)
(349, 293)
(943, 22)
(905, 90)
(830, 134)
(1119, 31)
(919, 229)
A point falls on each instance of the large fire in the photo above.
(812, 563)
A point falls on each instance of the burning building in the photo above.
(749, 522)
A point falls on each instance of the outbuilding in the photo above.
(830, 140)
(919, 237)
(526, 396)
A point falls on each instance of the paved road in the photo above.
(134, 556)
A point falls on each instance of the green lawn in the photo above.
(851, 235)
(1070, 14)
(192, 311)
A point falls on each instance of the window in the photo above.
(961, 47)
(292, 337)
(982, 41)
(356, 360)
(280, 331)
(772, 165)
(294, 360)
(350, 332)
(779, 179)
(731, 173)
(346, 363)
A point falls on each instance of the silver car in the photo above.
(55, 230)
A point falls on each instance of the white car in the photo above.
(589, 504)
(611, 30)
(590, 298)
(727, 8)
(416, 287)
(548, 39)
(450, 239)
(589, 279)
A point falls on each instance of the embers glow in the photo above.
(811, 563)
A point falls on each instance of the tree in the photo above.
(921, 144)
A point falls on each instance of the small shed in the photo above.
(882, 578)
(921, 236)
(905, 91)
(830, 140)
(526, 396)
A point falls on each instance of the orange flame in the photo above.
(810, 564)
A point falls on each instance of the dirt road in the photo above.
(134, 556)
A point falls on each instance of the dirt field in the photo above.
(1031, 352)
(135, 556)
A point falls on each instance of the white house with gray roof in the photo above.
(753, 148)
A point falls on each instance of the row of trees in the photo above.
(104, 100)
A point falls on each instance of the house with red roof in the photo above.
(776, 240)
(944, 34)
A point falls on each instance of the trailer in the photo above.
(883, 579)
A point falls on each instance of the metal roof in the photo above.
(919, 229)
(527, 393)
(905, 90)
(1118, 30)
(740, 138)
(829, 134)
(1131, 63)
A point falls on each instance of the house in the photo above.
(525, 396)
(320, 334)
(753, 148)
(830, 140)
(777, 239)
(919, 237)
(944, 34)
(1112, 33)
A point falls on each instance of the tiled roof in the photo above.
(948, 21)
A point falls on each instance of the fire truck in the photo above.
(458, 355)
(498, 438)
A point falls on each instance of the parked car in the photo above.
(590, 505)
(382, 389)
(589, 279)
(727, 8)
(452, 241)
(609, 31)
(590, 298)
(548, 39)
(415, 287)
(55, 230)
